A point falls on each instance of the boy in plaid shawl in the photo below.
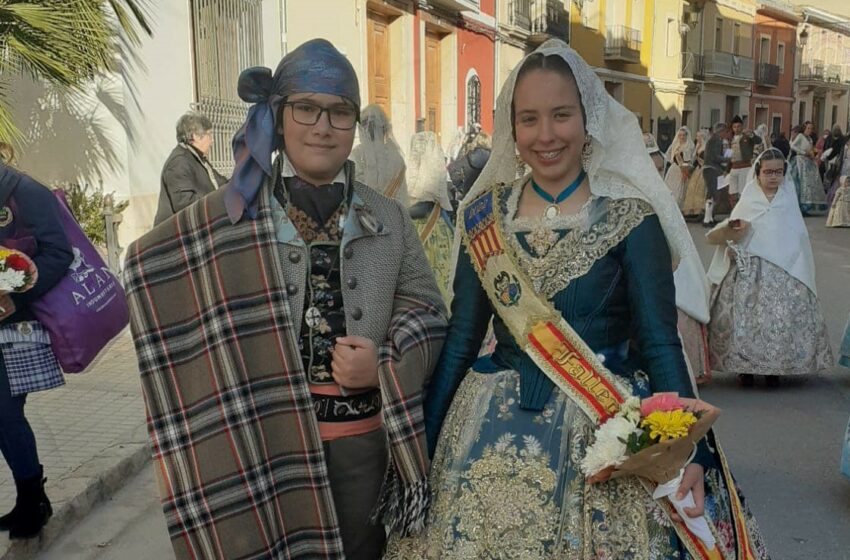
(285, 326)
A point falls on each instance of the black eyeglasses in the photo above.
(340, 117)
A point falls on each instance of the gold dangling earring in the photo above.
(586, 154)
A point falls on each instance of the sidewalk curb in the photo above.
(84, 488)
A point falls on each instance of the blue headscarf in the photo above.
(314, 67)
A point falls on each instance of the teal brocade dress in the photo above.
(505, 473)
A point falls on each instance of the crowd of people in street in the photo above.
(363, 352)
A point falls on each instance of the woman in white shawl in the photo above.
(378, 161)
(765, 316)
(587, 239)
(680, 154)
(803, 171)
(839, 212)
(430, 204)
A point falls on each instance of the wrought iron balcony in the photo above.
(549, 18)
(814, 71)
(833, 73)
(226, 116)
(622, 43)
(728, 65)
(693, 66)
(519, 12)
(541, 19)
(768, 75)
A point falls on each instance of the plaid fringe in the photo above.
(403, 508)
(417, 333)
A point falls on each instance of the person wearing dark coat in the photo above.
(781, 143)
(30, 223)
(716, 165)
(187, 175)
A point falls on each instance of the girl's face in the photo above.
(771, 175)
(549, 126)
(809, 129)
(683, 136)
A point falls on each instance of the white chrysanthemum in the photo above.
(12, 279)
(631, 409)
(609, 449)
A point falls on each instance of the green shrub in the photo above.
(87, 204)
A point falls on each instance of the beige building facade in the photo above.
(823, 70)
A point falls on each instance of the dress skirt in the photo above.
(694, 337)
(810, 193)
(693, 199)
(675, 180)
(506, 485)
(766, 322)
(839, 212)
(438, 250)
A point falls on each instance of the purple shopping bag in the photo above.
(87, 308)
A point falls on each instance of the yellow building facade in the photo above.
(674, 99)
(616, 38)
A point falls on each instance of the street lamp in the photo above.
(804, 36)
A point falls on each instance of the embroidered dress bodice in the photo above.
(585, 265)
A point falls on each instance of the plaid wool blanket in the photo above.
(233, 434)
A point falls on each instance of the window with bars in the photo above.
(227, 37)
(473, 101)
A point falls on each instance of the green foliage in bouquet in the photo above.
(87, 203)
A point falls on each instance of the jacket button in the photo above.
(352, 282)
(294, 257)
(348, 252)
(291, 289)
(357, 314)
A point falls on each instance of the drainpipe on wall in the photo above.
(702, 83)
(283, 40)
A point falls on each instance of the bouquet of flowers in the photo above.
(654, 439)
(17, 271)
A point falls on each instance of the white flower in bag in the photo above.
(11, 280)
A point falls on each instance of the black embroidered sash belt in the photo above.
(347, 409)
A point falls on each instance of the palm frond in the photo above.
(131, 13)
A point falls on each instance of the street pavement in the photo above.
(783, 445)
(91, 436)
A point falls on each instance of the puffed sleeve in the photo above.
(652, 300)
(648, 269)
(470, 317)
(39, 212)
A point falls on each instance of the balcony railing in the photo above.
(768, 75)
(520, 14)
(693, 66)
(542, 19)
(833, 73)
(813, 71)
(728, 65)
(622, 43)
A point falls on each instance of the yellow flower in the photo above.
(5, 253)
(671, 424)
